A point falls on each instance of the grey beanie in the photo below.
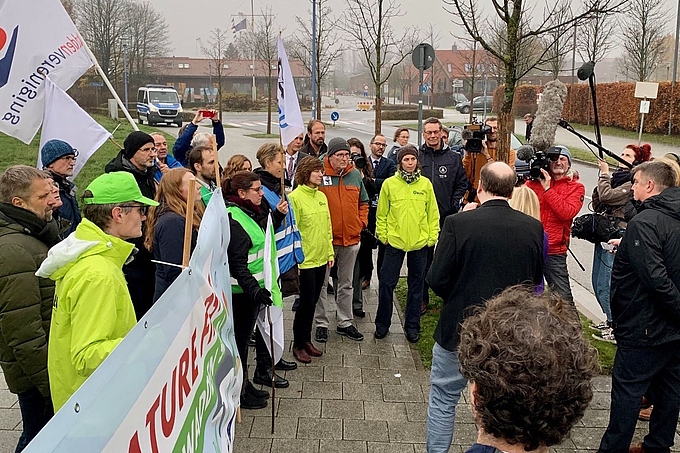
(337, 144)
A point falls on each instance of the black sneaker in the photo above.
(249, 401)
(321, 334)
(259, 394)
(351, 332)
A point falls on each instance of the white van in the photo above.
(158, 104)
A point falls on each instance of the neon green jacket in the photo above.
(92, 310)
(313, 218)
(407, 217)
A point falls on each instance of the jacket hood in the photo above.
(87, 240)
(667, 202)
(122, 163)
(427, 149)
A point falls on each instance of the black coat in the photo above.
(169, 248)
(444, 169)
(479, 254)
(69, 210)
(645, 294)
(384, 170)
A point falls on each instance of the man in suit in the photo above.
(480, 253)
(293, 157)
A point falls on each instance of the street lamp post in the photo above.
(314, 62)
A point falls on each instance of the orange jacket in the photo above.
(347, 201)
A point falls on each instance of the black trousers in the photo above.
(245, 313)
(311, 284)
(653, 372)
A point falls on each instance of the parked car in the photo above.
(477, 105)
(459, 98)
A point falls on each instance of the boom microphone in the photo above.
(549, 113)
(586, 70)
(525, 152)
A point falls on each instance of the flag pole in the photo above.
(189, 222)
(107, 82)
(271, 349)
(217, 161)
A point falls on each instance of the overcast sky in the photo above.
(189, 21)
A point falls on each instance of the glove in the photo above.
(264, 297)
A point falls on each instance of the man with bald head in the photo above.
(480, 253)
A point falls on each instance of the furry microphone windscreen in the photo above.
(548, 115)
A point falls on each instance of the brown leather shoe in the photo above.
(645, 414)
(636, 449)
(311, 350)
(301, 355)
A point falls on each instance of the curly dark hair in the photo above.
(531, 367)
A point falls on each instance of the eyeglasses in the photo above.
(342, 155)
(430, 132)
(382, 145)
(69, 158)
(256, 189)
(554, 157)
(143, 209)
(147, 150)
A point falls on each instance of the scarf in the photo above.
(409, 177)
(620, 177)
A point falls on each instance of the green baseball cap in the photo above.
(115, 188)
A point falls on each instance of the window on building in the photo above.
(168, 65)
(225, 66)
(448, 67)
(468, 67)
(149, 65)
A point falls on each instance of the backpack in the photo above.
(594, 228)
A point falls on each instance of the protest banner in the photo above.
(173, 383)
(37, 39)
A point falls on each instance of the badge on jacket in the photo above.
(327, 181)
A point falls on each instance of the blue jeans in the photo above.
(602, 277)
(36, 411)
(446, 384)
(416, 261)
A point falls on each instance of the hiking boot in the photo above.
(350, 332)
(321, 334)
(249, 401)
(259, 394)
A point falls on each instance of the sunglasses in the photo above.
(143, 209)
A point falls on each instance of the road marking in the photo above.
(233, 124)
(248, 124)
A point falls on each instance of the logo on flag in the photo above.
(290, 117)
(6, 61)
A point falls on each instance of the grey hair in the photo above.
(201, 139)
(16, 182)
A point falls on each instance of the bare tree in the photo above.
(104, 27)
(328, 45)
(147, 38)
(70, 8)
(261, 42)
(518, 33)
(434, 37)
(642, 31)
(215, 50)
(595, 37)
(369, 25)
(559, 42)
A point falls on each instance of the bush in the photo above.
(411, 114)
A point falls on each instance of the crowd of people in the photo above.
(77, 277)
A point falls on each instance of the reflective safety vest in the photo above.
(256, 255)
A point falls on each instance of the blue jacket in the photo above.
(288, 241)
(183, 143)
(170, 162)
(69, 210)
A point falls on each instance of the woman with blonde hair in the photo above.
(525, 200)
(237, 162)
(165, 226)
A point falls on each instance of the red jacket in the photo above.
(559, 205)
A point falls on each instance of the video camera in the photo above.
(359, 161)
(541, 160)
(474, 134)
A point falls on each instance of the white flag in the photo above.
(65, 120)
(36, 37)
(271, 274)
(290, 118)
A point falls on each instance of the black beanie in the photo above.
(336, 144)
(134, 141)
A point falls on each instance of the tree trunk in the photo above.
(378, 111)
(269, 101)
(506, 122)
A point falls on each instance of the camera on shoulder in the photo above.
(474, 134)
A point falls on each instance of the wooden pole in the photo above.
(189, 222)
(283, 172)
(217, 162)
(271, 348)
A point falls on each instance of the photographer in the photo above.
(561, 198)
(475, 159)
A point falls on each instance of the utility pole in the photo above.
(314, 62)
(125, 72)
(675, 69)
(252, 21)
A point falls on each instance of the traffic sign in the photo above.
(96, 84)
(423, 56)
(334, 117)
(424, 88)
(457, 83)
